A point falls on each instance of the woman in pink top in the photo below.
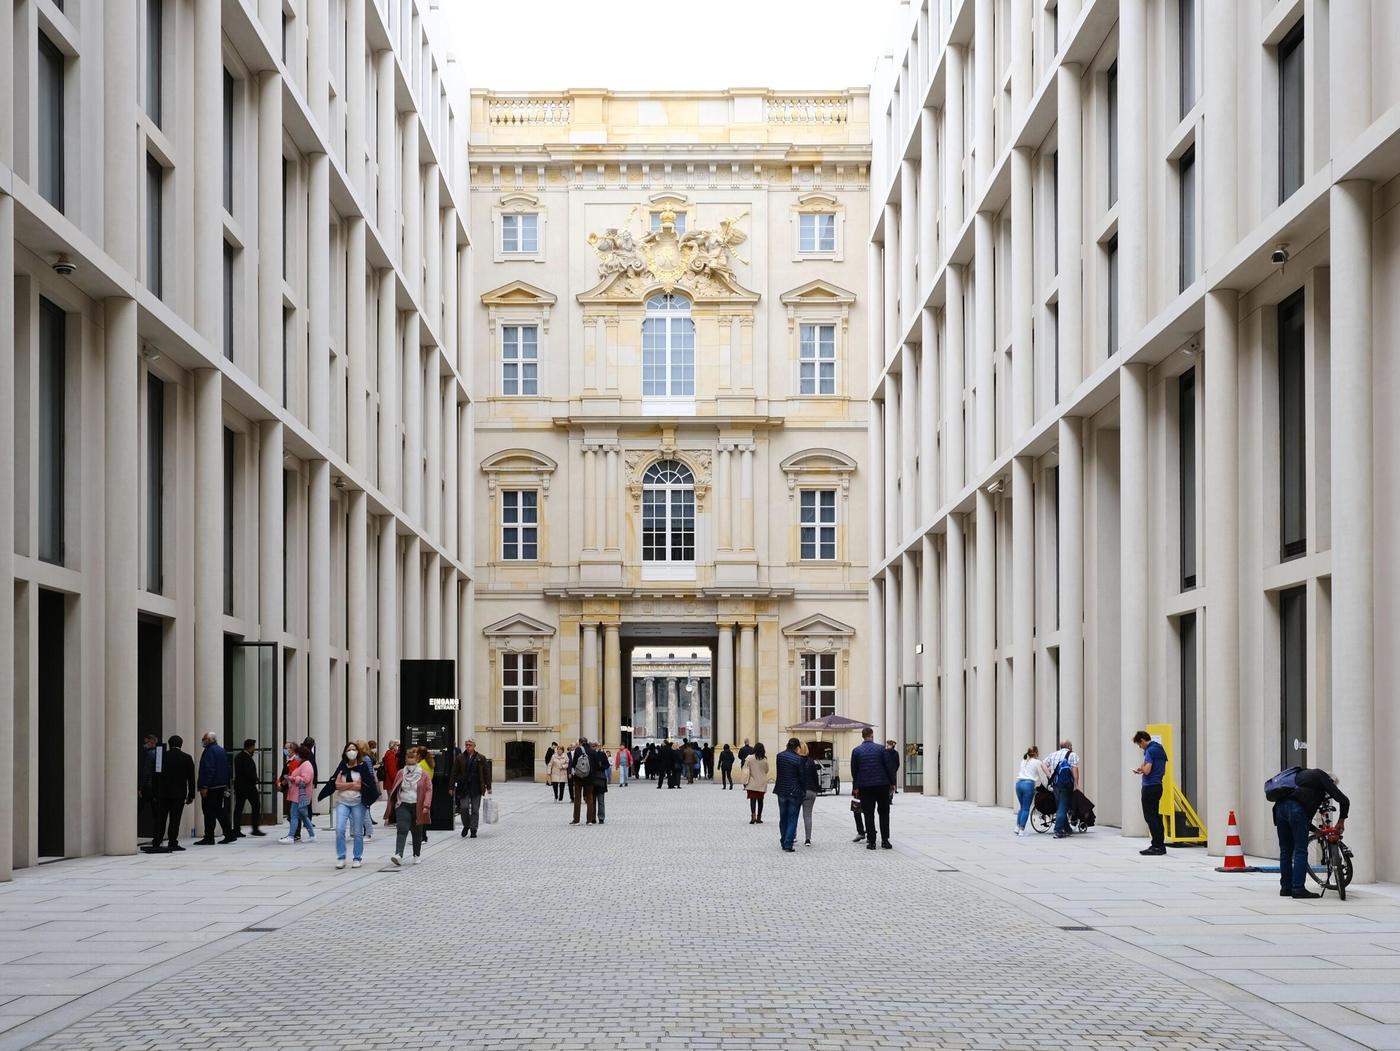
(622, 759)
(299, 778)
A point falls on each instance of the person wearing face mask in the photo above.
(297, 785)
(410, 806)
(351, 787)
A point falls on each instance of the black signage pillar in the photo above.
(428, 710)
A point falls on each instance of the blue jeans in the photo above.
(1292, 820)
(1062, 794)
(300, 817)
(1025, 795)
(622, 776)
(789, 810)
(351, 813)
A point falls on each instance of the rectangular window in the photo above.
(1186, 52)
(817, 364)
(668, 357)
(1186, 474)
(228, 141)
(155, 484)
(818, 685)
(50, 131)
(1292, 428)
(53, 354)
(155, 225)
(656, 222)
(1185, 772)
(229, 516)
(818, 525)
(520, 525)
(155, 57)
(816, 232)
(228, 300)
(1112, 296)
(1186, 219)
(1113, 134)
(520, 232)
(520, 360)
(1293, 678)
(519, 688)
(1290, 113)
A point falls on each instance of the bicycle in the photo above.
(1329, 859)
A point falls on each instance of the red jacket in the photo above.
(423, 814)
(391, 766)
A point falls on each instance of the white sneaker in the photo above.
(417, 859)
(355, 864)
(396, 859)
(340, 864)
(286, 839)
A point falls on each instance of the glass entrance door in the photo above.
(913, 761)
(252, 712)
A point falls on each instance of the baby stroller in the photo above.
(1080, 813)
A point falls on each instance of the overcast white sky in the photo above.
(514, 45)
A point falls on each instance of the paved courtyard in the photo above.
(679, 925)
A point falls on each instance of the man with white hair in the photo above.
(1062, 767)
(215, 775)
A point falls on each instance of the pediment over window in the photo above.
(518, 467)
(817, 201)
(516, 625)
(519, 199)
(818, 624)
(818, 634)
(518, 294)
(702, 287)
(818, 465)
(817, 292)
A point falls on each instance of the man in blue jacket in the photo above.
(872, 778)
(215, 776)
(789, 789)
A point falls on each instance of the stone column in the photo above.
(356, 613)
(1353, 479)
(875, 609)
(413, 422)
(927, 503)
(673, 709)
(412, 614)
(411, 201)
(895, 640)
(385, 149)
(909, 401)
(893, 286)
(952, 145)
(451, 471)
(1071, 534)
(318, 303)
(318, 604)
(466, 656)
(388, 568)
(271, 481)
(746, 536)
(909, 635)
(357, 318)
(121, 492)
(985, 350)
(954, 650)
(355, 96)
(1022, 603)
(318, 54)
(611, 498)
(928, 665)
(1070, 216)
(7, 499)
(120, 153)
(1022, 292)
(1133, 579)
(390, 482)
(649, 692)
(432, 241)
(724, 664)
(208, 551)
(269, 225)
(736, 528)
(984, 84)
(588, 683)
(590, 499)
(982, 757)
(612, 684)
(432, 426)
(894, 463)
(909, 239)
(207, 242)
(722, 500)
(954, 430)
(928, 200)
(1133, 190)
(747, 682)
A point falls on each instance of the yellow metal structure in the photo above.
(1176, 810)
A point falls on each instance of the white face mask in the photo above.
(351, 755)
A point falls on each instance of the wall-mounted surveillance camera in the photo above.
(1279, 255)
(63, 266)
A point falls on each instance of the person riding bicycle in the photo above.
(1297, 793)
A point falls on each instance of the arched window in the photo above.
(668, 513)
(668, 348)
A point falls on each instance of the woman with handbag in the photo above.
(810, 787)
(410, 806)
(756, 781)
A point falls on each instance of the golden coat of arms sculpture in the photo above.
(667, 256)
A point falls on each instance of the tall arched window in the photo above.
(668, 348)
(668, 513)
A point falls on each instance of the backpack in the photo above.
(1282, 785)
(1063, 774)
(582, 767)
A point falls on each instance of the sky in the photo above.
(516, 45)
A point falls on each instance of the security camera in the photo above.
(63, 266)
(1279, 255)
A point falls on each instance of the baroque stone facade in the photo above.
(669, 378)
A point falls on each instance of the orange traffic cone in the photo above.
(1234, 851)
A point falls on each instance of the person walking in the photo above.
(1294, 809)
(393, 763)
(689, 759)
(215, 776)
(299, 783)
(665, 756)
(601, 771)
(149, 765)
(892, 761)
(410, 804)
(582, 760)
(745, 750)
(352, 781)
(788, 787)
(471, 779)
(174, 787)
(558, 773)
(707, 761)
(757, 767)
(622, 761)
(1062, 768)
(1152, 768)
(245, 789)
(871, 780)
(1030, 777)
(811, 785)
(726, 768)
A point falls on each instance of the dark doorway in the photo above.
(520, 760)
(150, 706)
(52, 741)
(821, 750)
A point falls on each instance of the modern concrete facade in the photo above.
(1135, 394)
(671, 353)
(239, 417)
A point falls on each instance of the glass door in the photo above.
(253, 713)
(913, 758)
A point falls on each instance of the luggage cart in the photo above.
(828, 777)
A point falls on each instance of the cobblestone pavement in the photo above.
(675, 925)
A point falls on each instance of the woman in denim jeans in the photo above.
(300, 773)
(1030, 776)
(351, 784)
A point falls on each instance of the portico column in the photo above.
(413, 428)
(1353, 655)
(432, 427)
(207, 184)
(385, 136)
(1133, 120)
(894, 642)
(388, 567)
(611, 498)
(1133, 579)
(432, 607)
(894, 464)
(673, 709)
(356, 622)
(984, 352)
(1070, 217)
(466, 655)
(612, 684)
(954, 692)
(875, 609)
(588, 684)
(746, 497)
(928, 665)
(649, 695)
(909, 440)
(411, 202)
(318, 300)
(270, 316)
(927, 502)
(1022, 603)
(953, 151)
(724, 723)
(590, 499)
(1022, 281)
(909, 239)
(1071, 543)
(413, 598)
(893, 284)
(983, 760)
(318, 602)
(120, 491)
(722, 512)
(747, 682)
(209, 551)
(928, 201)
(390, 477)
(954, 427)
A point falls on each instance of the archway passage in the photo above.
(520, 760)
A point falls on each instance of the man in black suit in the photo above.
(174, 791)
(151, 761)
(245, 789)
